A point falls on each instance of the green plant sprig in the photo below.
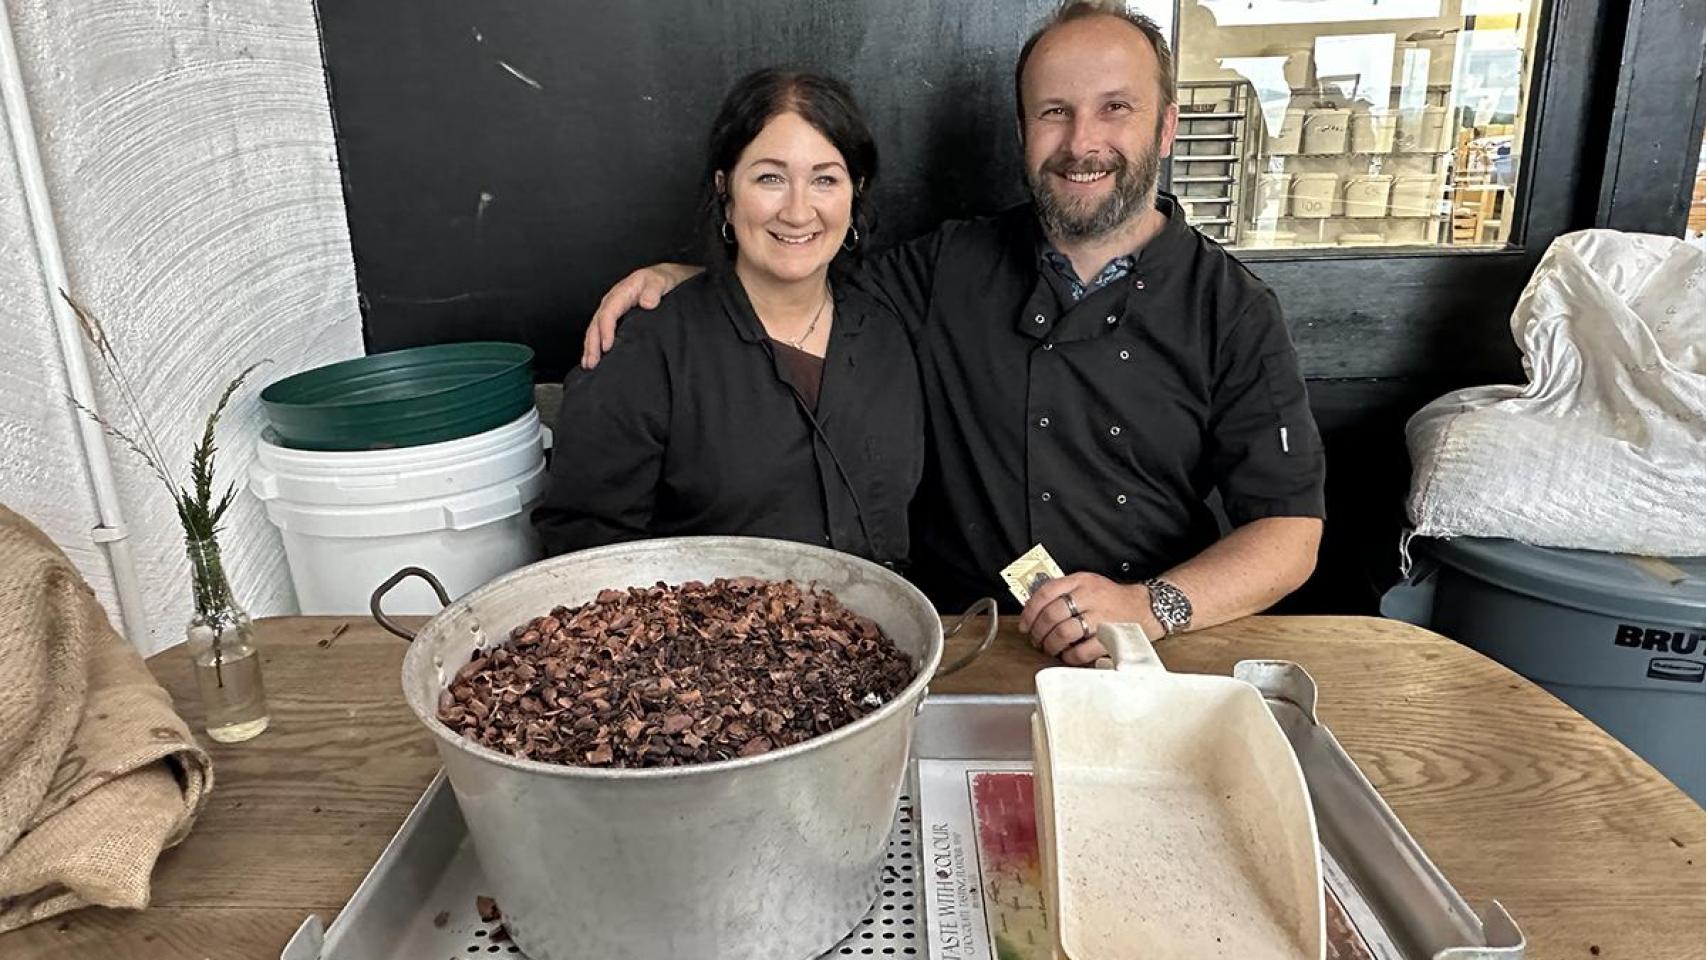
(198, 512)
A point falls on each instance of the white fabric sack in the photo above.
(1605, 448)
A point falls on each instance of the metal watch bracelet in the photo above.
(1170, 606)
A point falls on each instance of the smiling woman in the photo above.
(786, 206)
(762, 398)
(773, 116)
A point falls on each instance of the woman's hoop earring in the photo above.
(727, 234)
(854, 234)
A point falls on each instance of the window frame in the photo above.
(1443, 312)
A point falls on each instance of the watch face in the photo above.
(1171, 606)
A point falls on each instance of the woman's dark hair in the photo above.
(825, 103)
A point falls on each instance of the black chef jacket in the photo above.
(1097, 428)
(689, 426)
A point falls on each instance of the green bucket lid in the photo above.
(403, 398)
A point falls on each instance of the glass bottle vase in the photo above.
(222, 646)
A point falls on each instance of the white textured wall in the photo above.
(41, 474)
(189, 153)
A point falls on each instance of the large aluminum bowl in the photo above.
(773, 857)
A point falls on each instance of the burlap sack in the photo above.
(97, 773)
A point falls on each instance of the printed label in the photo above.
(1681, 671)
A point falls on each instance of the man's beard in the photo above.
(1134, 189)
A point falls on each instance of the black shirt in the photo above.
(691, 426)
(1096, 427)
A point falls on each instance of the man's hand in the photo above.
(1054, 629)
(644, 288)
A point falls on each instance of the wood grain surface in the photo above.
(1513, 794)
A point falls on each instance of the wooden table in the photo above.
(1514, 795)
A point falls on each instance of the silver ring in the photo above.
(1082, 625)
(1071, 608)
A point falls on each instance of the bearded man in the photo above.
(1094, 370)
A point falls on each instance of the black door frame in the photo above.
(1657, 119)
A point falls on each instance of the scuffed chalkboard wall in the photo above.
(505, 162)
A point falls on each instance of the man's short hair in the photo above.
(1085, 9)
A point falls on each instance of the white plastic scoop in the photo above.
(1175, 821)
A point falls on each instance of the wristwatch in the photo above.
(1170, 606)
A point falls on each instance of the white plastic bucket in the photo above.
(351, 519)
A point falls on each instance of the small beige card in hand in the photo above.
(1029, 572)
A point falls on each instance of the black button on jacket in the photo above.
(689, 426)
(1098, 428)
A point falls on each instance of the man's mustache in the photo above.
(1065, 165)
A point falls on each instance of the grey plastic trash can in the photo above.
(1622, 646)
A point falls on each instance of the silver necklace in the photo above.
(810, 328)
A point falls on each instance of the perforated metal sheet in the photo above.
(415, 912)
(895, 925)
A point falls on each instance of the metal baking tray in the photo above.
(419, 898)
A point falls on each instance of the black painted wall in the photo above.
(505, 162)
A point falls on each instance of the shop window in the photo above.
(1352, 123)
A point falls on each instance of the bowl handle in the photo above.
(392, 581)
(985, 606)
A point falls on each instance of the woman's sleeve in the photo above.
(608, 449)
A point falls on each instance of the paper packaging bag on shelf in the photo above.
(1417, 195)
(1366, 196)
(99, 773)
(1605, 447)
(1326, 132)
(1314, 195)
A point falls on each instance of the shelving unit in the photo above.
(1212, 155)
(1415, 155)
